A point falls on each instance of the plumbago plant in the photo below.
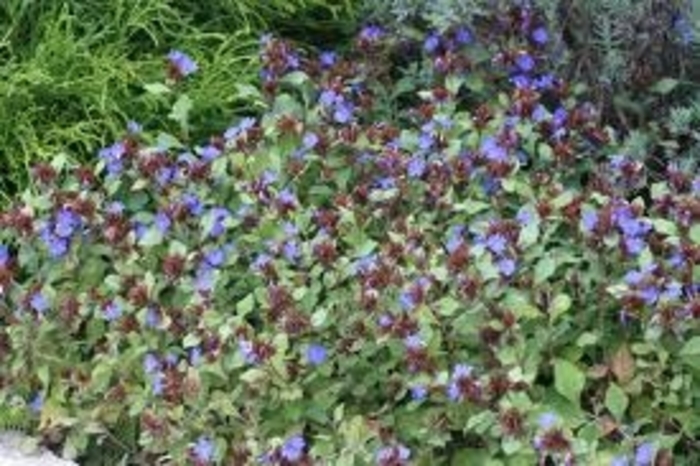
(467, 277)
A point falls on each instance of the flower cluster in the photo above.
(329, 268)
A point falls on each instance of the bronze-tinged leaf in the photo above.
(664, 458)
(607, 425)
(598, 371)
(622, 365)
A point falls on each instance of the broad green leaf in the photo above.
(447, 306)
(694, 233)
(665, 227)
(560, 305)
(691, 347)
(544, 269)
(181, 110)
(616, 401)
(246, 305)
(665, 85)
(569, 380)
(156, 88)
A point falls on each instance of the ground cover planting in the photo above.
(426, 249)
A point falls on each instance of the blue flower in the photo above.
(413, 342)
(157, 383)
(39, 303)
(684, 28)
(193, 204)
(37, 403)
(195, 355)
(544, 82)
(419, 392)
(4, 255)
(645, 454)
(215, 257)
(620, 461)
(406, 301)
(432, 42)
(416, 167)
(506, 267)
(246, 349)
(151, 363)
(672, 291)
(329, 98)
(521, 81)
(525, 216)
(65, 223)
(290, 250)
(540, 113)
(371, 33)
(204, 281)
(162, 222)
(547, 420)
(393, 455)
(634, 245)
(260, 262)
(496, 243)
(540, 36)
(182, 63)
(343, 113)
(219, 216)
(152, 318)
(210, 152)
(589, 220)
(525, 62)
(165, 176)
(463, 36)
(385, 321)
(327, 59)
(493, 151)
(559, 117)
(316, 354)
(139, 230)
(204, 450)
(309, 141)
(112, 311)
(696, 185)
(293, 448)
(286, 197)
(238, 130)
(459, 373)
(133, 127)
(113, 156)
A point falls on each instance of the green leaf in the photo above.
(152, 237)
(544, 269)
(569, 380)
(665, 227)
(560, 305)
(190, 340)
(246, 305)
(156, 88)
(181, 110)
(691, 347)
(528, 235)
(253, 376)
(665, 85)
(616, 401)
(167, 141)
(447, 306)
(694, 233)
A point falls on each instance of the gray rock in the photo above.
(16, 449)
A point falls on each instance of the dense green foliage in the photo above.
(436, 247)
(72, 72)
(620, 48)
(454, 261)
